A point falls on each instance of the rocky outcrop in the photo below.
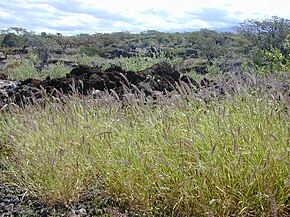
(160, 77)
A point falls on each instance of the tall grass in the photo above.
(138, 63)
(176, 158)
(135, 63)
(21, 70)
(55, 71)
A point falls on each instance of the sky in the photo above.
(91, 16)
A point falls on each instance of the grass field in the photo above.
(178, 156)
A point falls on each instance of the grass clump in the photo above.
(21, 70)
(55, 71)
(178, 158)
(138, 63)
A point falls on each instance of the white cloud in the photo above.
(4, 15)
(74, 21)
(88, 16)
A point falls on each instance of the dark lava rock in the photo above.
(17, 201)
(2, 76)
(202, 69)
(84, 79)
(31, 82)
(189, 80)
(161, 77)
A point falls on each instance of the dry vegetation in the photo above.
(174, 156)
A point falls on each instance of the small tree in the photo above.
(12, 40)
(265, 34)
(209, 43)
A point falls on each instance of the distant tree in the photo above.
(178, 39)
(2, 35)
(17, 37)
(209, 43)
(17, 30)
(149, 42)
(109, 40)
(164, 39)
(62, 41)
(84, 40)
(150, 32)
(43, 34)
(12, 40)
(265, 34)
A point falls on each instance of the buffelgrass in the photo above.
(54, 71)
(176, 158)
(20, 70)
(138, 63)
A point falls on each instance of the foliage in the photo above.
(214, 67)
(275, 60)
(207, 43)
(210, 44)
(65, 42)
(267, 36)
(90, 51)
(266, 33)
(12, 40)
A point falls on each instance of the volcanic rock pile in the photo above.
(83, 79)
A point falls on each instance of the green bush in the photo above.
(276, 60)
